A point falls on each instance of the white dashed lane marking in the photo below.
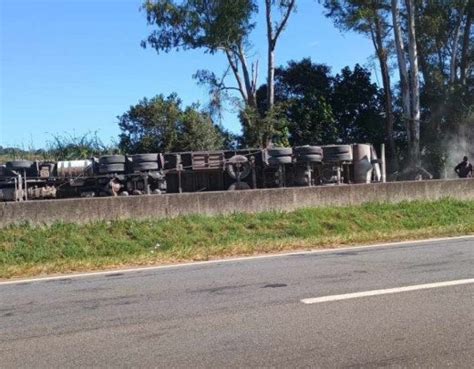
(388, 291)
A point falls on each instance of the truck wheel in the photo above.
(111, 168)
(279, 160)
(337, 153)
(142, 158)
(280, 151)
(337, 157)
(19, 164)
(310, 158)
(112, 159)
(308, 150)
(144, 166)
(238, 166)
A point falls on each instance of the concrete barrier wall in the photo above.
(213, 203)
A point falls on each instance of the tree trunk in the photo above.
(235, 70)
(464, 66)
(414, 85)
(389, 120)
(273, 33)
(271, 56)
(248, 79)
(457, 34)
(402, 68)
(271, 80)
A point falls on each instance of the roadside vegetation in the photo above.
(26, 250)
(62, 147)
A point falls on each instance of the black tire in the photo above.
(308, 150)
(280, 151)
(112, 159)
(279, 160)
(19, 164)
(335, 153)
(142, 158)
(239, 186)
(310, 158)
(337, 149)
(144, 166)
(111, 168)
(238, 166)
(337, 157)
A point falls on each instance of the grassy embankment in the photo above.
(28, 251)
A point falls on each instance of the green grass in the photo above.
(26, 250)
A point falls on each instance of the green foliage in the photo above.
(62, 147)
(356, 15)
(193, 24)
(12, 153)
(447, 100)
(358, 107)
(321, 109)
(27, 250)
(160, 124)
(197, 132)
(260, 128)
(150, 125)
(72, 147)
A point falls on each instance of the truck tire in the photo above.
(142, 158)
(280, 151)
(338, 157)
(310, 158)
(145, 166)
(279, 160)
(111, 168)
(19, 164)
(332, 153)
(238, 166)
(112, 159)
(308, 150)
(337, 149)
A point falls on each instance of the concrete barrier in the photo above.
(214, 203)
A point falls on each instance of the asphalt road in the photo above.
(250, 314)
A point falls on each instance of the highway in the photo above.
(400, 306)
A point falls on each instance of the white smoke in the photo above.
(457, 146)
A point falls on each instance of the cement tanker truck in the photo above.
(194, 171)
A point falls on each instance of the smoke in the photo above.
(457, 146)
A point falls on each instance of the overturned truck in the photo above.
(158, 173)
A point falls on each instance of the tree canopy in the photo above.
(321, 108)
(160, 124)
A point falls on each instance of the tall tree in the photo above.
(160, 124)
(326, 109)
(409, 79)
(305, 89)
(415, 113)
(274, 30)
(467, 50)
(369, 17)
(445, 54)
(211, 25)
(357, 105)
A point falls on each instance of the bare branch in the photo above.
(245, 70)
(282, 24)
(235, 69)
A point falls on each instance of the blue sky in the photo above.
(72, 66)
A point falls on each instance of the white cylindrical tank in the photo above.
(74, 168)
(362, 163)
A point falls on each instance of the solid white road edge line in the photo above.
(229, 260)
(387, 291)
